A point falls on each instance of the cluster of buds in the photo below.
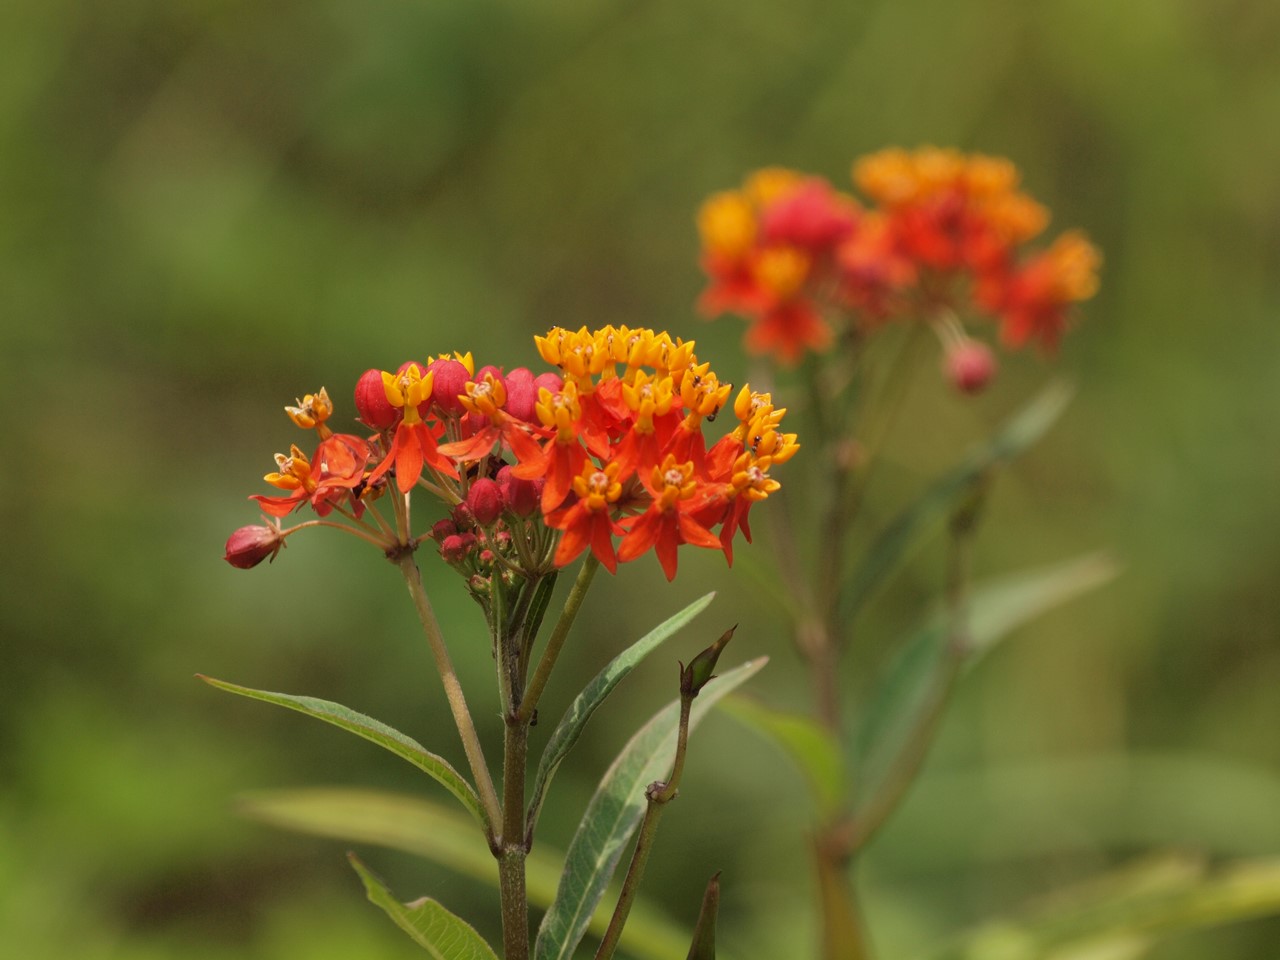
(607, 453)
(943, 235)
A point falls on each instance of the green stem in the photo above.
(658, 795)
(453, 692)
(572, 604)
(910, 759)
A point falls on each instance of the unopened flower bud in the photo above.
(371, 401)
(969, 366)
(551, 382)
(485, 501)
(521, 394)
(461, 516)
(249, 546)
(699, 672)
(523, 497)
(450, 383)
(442, 529)
(456, 548)
(486, 557)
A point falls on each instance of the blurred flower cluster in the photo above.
(536, 469)
(943, 236)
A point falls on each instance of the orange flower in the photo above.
(587, 521)
(414, 444)
(668, 522)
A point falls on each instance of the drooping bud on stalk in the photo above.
(699, 672)
(249, 546)
(371, 401)
(485, 501)
(969, 365)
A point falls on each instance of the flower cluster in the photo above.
(944, 234)
(607, 453)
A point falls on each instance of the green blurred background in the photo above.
(210, 207)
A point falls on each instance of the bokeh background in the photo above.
(208, 208)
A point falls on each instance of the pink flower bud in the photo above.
(549, 381)
(969, 366)
(485, 501)
(371, 401)
(249, 546)
(455, 549)
(449, 384)
(524, 497)
(521, 394)
(443, 528)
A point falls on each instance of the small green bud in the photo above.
(699, 671)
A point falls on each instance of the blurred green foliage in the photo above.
(210, 207)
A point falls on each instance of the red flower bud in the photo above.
(455, 549)
(450, 383)
(524, 497)
(443, 528)
(249, 546)
(550, 381)
(969, 366)
(485, 501)
(521, 394)
(371, 401)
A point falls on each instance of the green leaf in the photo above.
(374, 731)
(812, 748)
(440, 834)
(927, 664)
(571, 725)
(444, 935)
(704, 934)
(1123, 914)
(613, 814)
(891, 548)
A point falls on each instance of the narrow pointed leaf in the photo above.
(1111, 921)
(704, 934)
(927, 661)
(375, 731)
(892, 547)
(613, 814)
(441, 933)
(812, 748)
(437, 833)
(571, 725)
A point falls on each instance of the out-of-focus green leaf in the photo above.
(571, 725)
(930, 659)
(613, 814)
(426, 829)
(704, 934)
(375, 731)
(1121, 917)
(445, 936)
(813, 750)
(896, 541)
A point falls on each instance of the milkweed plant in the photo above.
(622, 441)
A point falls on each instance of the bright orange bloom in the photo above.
(414, 444)
(1034, 300)
(324, 481)
(587, 521)
(669, 522)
